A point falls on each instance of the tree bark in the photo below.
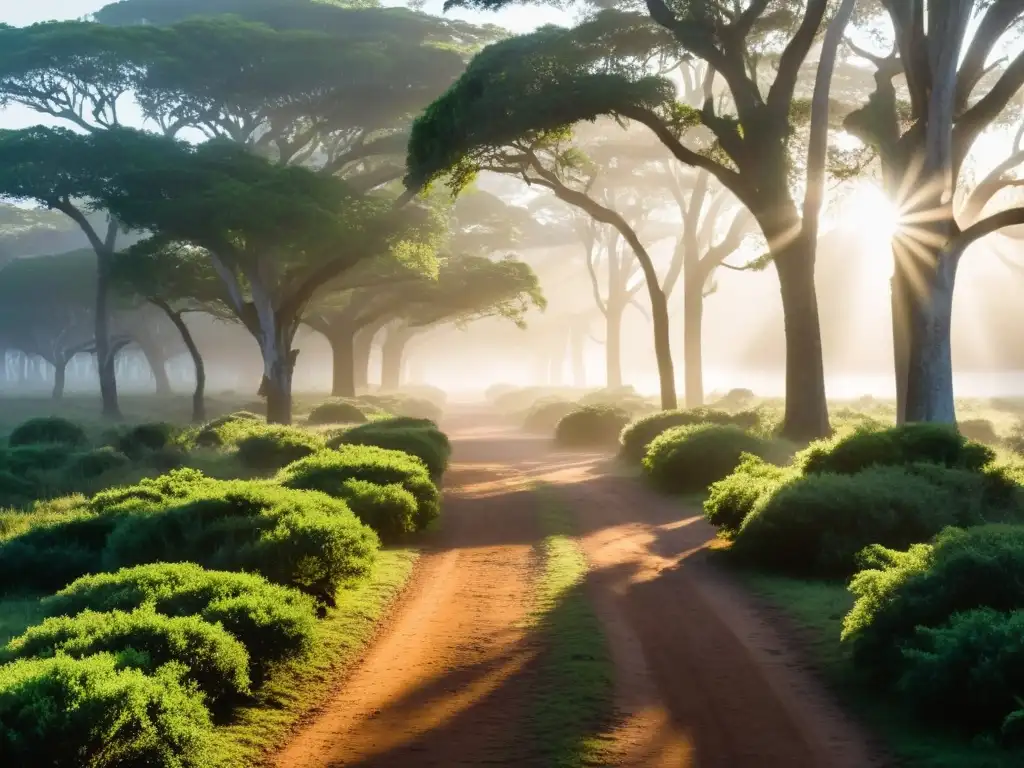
(693, 320)
(342, 343)
(157, 363)
(392, 357)
(806, 416)
(60, 372)
(199, 393)
(279, 363)
(105, 359)
(361, 357)
(613, 346)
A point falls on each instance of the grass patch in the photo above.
(297, 687)
(574, 704)
(18, 614)
(818, 608)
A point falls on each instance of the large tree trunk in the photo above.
(342, 343)
(60, 372)
(806, 415)
(361, 357)
(693, 319)
(198, 395)
(392, 357)
(930, 363)
(105, 361)
(613, 346)
(157, 362)
(279, 364)
(577, 336)
(901, 297)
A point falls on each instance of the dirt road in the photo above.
(702, 678)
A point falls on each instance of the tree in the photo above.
(537, 84)
(177, 279)
(923, 146)
(271, 233)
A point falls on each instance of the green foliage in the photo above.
(925, 586)
(816, 525)
(978, 430)
(732, 498)
(327, 472)
(427, 443)
(543, 416)
(402, 405)
(303, 539)
(143, 438)
(935, 443)
(99, 461)
(639, 433)
(336, 412)
(155, 493)
(227, 430)
(591, 426)
(216, 662)
(689, 459)
(74, 712)
(48, 429)
(273, 446)
(390, 510)
(272, 622)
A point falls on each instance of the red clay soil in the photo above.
(703, 679)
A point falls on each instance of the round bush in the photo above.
(97, 462)
(390, 510)
(925, 586)
(979, 430)
(303, 539)
(732, 498)
(227, 430)
(273, 622)
(274, 446)
(215, 660)
(427, 444)
(327, 472)
(155, 493)
(852, 452)
(816, 525)
(689, 459)
(638, 434)
(336, 412)
(141, 438)
(34, 459)
(736, 399)
(90, 712)
(49, 429)
(592, 426)
(543, 417)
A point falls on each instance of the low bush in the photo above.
(689, 459)
(925, 586)
(273, 622)
(91, 712)
(143, 438)
(543, 417)
(227, 430)
(336, 412)
(36, 459)
(591, 426)
(638, 434)
(969, 672)
(979, 430)
(216, 662)
(303, 539)
(99, 461)
(273, 446)
(427, 443)
(48, 429)
(732, 498)
(816, 525)
(736, 399)
(390, 510)
(329, 470)
(154, 493)
(851, 452)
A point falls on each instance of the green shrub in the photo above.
(428, 444)
(98, 461)
(389, 509)
(732, 498)
(303, 539)
(736, 399)
(638, 434)
(142, 438)
(969, 672)
(89, 712)
(274, 446)
(216, 661)
(327, 472)
(591, 426)
(979, 430)
(16, 490)
(155, 493)
(227, 430)
(816, 525)
(273, 622)
(35, 459)
(543, 417)
(689, 459)
(336, 412)
(925, 586)
(48, 429)
(852, 452)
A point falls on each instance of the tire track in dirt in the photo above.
(448, 682)
(702, 678)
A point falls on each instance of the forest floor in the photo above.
(681, 667)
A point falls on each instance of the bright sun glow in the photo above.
(870, 217)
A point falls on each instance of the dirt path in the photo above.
(702, 679)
